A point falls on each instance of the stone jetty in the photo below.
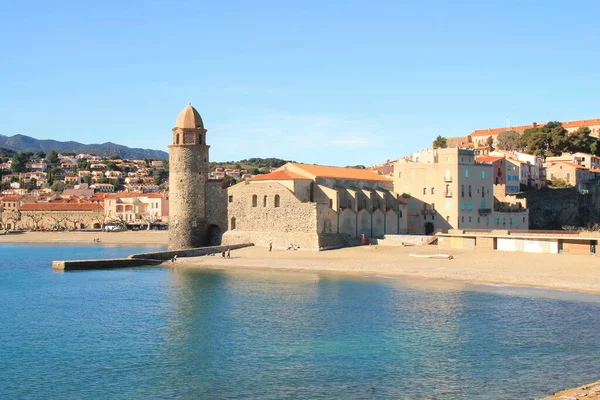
(585, 392)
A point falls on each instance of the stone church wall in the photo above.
(259, 220)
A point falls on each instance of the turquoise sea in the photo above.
(187, 334)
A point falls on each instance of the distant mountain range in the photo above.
(23, 143)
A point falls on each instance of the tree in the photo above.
(58, 186)
(440, 142)
(490, 143)
(150, 218)
(581, 141)
(509, 140)
(227, 181)
(359, 166)
(31, 184)
(53, 157)
(19, 162)
(558, 183)
(83, 164)
(160, 176)
(551, 139)
(36, 217)
(40, 154)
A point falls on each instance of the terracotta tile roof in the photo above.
(325, 171)
(521, 128)
(570, 164)
(132, 194)
(580, 123)
(495, 131)
(488, 159)
(9, 198)
(278, 176)
(61, 207)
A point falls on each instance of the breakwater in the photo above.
(141, 259)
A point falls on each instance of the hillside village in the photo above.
(84, 191)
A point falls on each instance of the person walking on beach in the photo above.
(223, 254)
(228, 253)
(270, 245)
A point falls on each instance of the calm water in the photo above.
(157, 333)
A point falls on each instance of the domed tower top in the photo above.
(189, 128)
(189, 118)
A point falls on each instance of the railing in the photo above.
(483, 211)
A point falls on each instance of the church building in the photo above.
(310, 206)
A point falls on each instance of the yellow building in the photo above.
(447, 189)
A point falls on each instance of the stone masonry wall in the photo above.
(259, 222)
(188, 171)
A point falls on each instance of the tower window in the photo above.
(177, 138)
(254, 200)
(265, 201)
(231, 199)
(200, 138)
(276, 201)
(232, 223)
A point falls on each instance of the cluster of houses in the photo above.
(237, 174)
(132, 175)
(88, 199)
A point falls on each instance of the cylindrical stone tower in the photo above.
(188, 172)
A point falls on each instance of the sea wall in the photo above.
(200, 251)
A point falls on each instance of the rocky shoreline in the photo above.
(587, 392)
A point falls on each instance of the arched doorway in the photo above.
(214, 235)
(429, 228)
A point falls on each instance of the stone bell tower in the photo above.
(188, 172)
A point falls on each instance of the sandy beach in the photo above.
(548, 271)
(558, 272)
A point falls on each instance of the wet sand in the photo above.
(547, 271)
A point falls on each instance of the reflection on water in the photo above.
(176, 333)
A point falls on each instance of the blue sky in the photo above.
(338, 83)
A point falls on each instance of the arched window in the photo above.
(462, 190)
(232, 223)
(482, 192)
(432, 190)
(276, 201)
(424, 190)
(254, 200)
(265, 201)
(177, 138)
(199, 138)
(469, 190)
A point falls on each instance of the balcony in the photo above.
(447, 178)
(485, 211)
